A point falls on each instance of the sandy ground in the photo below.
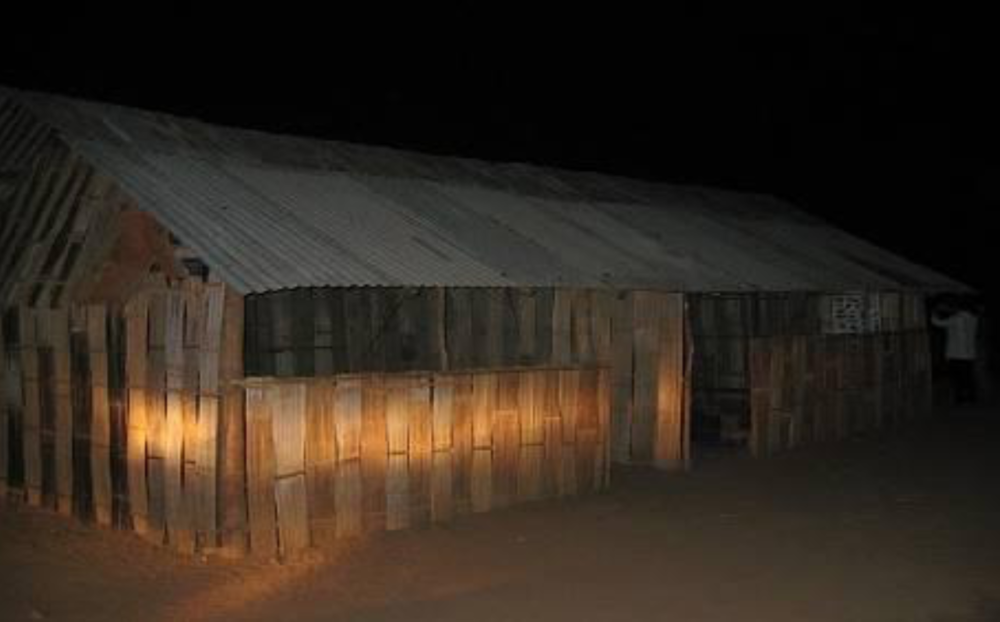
(904, 527)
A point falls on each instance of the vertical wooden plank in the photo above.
(6, 395)
(397, 475)
(303, 311)
(562, 327)
(32, 409)
(282, 309)
(330, 336)
(397, 417)
(603, 463)
(458, 329)
(569, 393)
(531, 411)
(288, 399)
(195, 307)
(484, 389)
(442, 507)
(420, 448)
(177, 511)
(436, 329)
(156, 415)
(117, 404)
(494, 346)
(621, 377)
(582, 328)
(260, 473)
(778, 417)
(397, 493)
(668, 452)
(13, 396)
(506, 440)
(587, 430)
(193, 328)
(531, 406)
(601, 315)
(59, 319)
(760, 396)
(289, 434)
(321, 461)
(358, 317)
(526, 333)
(544, 301)
(233, 440)
(379, 304)
(82, 389)
(648, 310)
(374, 453)
(293, 523)
(462, 439)
(208, 427)
(46, 406)
(348, 428)
(100, 423)
(482, 476)
(136, 376)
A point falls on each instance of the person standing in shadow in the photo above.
(960, 324)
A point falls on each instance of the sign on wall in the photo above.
(853, 313)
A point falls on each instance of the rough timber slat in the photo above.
(136, 374)
(6, 397)
(31, 429)
(232, 500)
(60, 336)
(100, 430)
(372, 452)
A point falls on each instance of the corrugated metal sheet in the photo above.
(271, 212)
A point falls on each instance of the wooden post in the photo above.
(232, 469)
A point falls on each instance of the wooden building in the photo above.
(225, 339)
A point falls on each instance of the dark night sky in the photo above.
(881, 124)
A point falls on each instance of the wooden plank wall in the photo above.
(721, 327)
(113, 414)
(639, 336)
(324, 331)
(808, 387)
(650, 405)
(337, 457)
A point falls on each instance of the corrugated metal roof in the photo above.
(270, 212)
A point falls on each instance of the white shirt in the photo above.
(960, 328)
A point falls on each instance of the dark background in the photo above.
(884, 124)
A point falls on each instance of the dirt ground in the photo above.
(903, 527)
